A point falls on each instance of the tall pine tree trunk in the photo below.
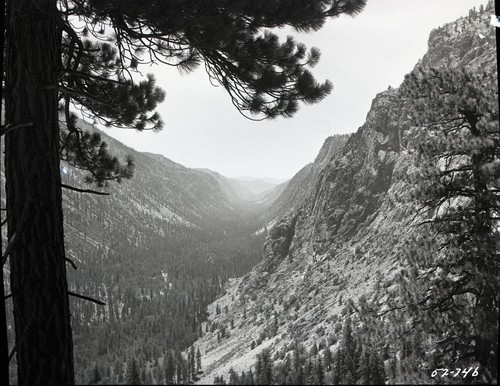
(33, 187)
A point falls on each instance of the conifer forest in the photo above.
(376, 263)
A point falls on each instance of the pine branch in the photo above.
(84, 190)
(11, 355)
(86, 298)
(13, 126)
(80, 94)
(21, 339)
(23, 217)
(10, 247)
(71, 262)
(90, 76)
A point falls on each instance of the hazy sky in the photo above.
(362, 56)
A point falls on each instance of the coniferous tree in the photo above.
(339, 369)
(460, 194)
(219, 380)
(243, 378)
(169, 368)
(251, 379)
(377, 374)
(179, 367)
(259, 378)
(314, 350)
(198, 360)
(81, 53)
(364, 368)
(185, 372)
(349, 350)
(309, 372)
(149, 378)
(267, 365)
(143, 376)
(133, 374)
(320, 373)
(192, 363)
(96, 376)
(120, 375)
(234, 379)
(327, 358)
(300, 376)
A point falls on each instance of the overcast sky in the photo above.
(362, 56)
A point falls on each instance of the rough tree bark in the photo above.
(33, 192)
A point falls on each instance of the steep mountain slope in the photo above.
(160, 189)
(340, 243)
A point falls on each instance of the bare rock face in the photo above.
(352, 187)
(300, 187)
(279, 242)
(341, 225)
(466, 42)
(348, 183)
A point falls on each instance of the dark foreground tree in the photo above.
(459, 188)
(80, 53)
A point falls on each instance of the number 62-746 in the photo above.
(473, 372)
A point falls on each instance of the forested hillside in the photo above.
(362, 282)
(157, 251)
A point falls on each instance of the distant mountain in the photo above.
(234, 190)
(244, 191)
(335, 239)
(258, 186)
(271, 180)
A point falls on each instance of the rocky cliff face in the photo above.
(342, 238)
(294, 192)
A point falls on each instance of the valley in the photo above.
(156, 251)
